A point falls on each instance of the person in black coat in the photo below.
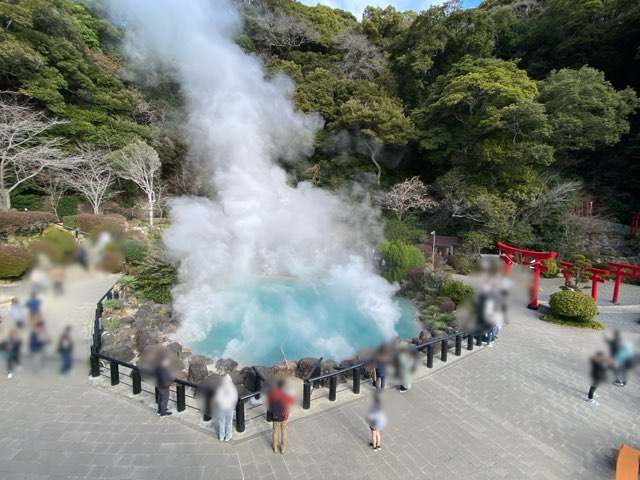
(163, 381)
(599, 368)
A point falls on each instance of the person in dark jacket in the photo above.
(38, 340)
(65, 349)
(163, 380)
(12, 352)
(599, 367)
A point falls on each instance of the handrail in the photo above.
(338, 372)
(316, 365)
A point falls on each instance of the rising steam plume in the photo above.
(244, 126)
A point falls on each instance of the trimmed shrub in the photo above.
(60, 237)
(69, 221)
(456, 291)
(553, 268)
(94, 224)
(398, 231)
(14, 222)
(133, 250)
(14, 261)
(445, 304)
(112, 261)
(576, 305)
(67, 206)
(399, 258)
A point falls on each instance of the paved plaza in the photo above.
(516, 411)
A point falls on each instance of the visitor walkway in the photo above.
(514, 411)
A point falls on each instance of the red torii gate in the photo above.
(596, 276)
(622, 270)
(510, 255)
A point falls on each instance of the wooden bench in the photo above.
(628, 463)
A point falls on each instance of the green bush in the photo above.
(462, 264)
(571, 322)
(133, 250)
(67, 206)
(398, 231)
(60, 237)
(553, 268)
(69, 221)
(112, 324)
(436, 319)
(399, 258)
(112, 304)
(30, 202)
(155, 279)
(576, 305)
(14, 261)
(456, 291)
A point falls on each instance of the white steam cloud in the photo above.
(258, 225)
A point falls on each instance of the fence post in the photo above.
(469, 342)
(430, 356)
(333, 385)
(459, 345)
(257, 386)
(136, 382)
(115, 374)
(240, 416)
(306, 396)
(181, 397)
(444, 350)
(356, 380)
(95, 366)
(478, 340)
(206, 415)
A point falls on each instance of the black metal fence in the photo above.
(314, 378)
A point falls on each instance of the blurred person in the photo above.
(486, 307)
(65, 349)
(38, 341)
(163, 382)
(16, 315)
(226, 400)
(623, 363)
(505, 288)
(377, 420)
(407, 363)
(39, 280)
(279, 402)
(380, 367)
(11, 350)
(80, 254)
(599, 367)
(57, 280)
(104, 239)
(33, 306)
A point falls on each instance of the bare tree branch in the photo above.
(280, 30)
(93, 177)
(362, 59)
(406, 197)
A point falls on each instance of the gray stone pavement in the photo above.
(515, 411)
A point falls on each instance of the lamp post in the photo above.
(433, 251)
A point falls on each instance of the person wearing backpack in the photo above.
(279, 402)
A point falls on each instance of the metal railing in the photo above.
(313, 378)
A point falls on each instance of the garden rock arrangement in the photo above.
(139, 332)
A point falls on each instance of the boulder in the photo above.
(249, 376)
(151, 356)
(127, 321)
(348, 363)
(122, 351)
(329, 366)
(144, 338)
(121, 335)
(176, 347)
(305, 366)
(287, 367)
(445, 304)
(201, 359)
(198, 372)
(225, 365)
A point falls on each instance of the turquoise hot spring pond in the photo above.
(261, 320)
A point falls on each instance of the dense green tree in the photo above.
(585, 111)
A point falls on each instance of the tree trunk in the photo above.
(5, 200)
(151, 202)
(373, 159)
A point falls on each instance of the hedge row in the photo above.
(15, 222)
(112, 223)
(14, 261)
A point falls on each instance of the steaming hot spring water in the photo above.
(299, 319)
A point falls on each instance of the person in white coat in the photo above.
(226, 399)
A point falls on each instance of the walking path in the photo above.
(513, 411)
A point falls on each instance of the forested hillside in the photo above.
(511, 113)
